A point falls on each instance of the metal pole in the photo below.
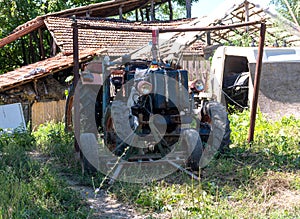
(155, 37)
(257, 81)
(76, 122)
(167, 30)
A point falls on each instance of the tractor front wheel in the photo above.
(193, 144)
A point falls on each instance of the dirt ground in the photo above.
(102, 204)
(105, 206)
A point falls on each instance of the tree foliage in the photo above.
(290, 9)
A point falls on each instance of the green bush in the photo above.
(52, 140)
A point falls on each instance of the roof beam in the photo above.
(38, 23)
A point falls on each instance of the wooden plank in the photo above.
(43, 112)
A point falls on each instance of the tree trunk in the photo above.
(170, 9)
(188, 4)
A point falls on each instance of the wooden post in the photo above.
(141, 13)
(88, 14)
(53, 48)
(25, 56)
(136, 15)
(42, 51)
(147, 13)
(257, 81)
(152, 15)
(170, 9)
(246, 15)
(120, 13)
(31, 49)
(188, 4)
(208, 38)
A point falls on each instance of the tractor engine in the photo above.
(159, 91)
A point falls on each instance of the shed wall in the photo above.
(47, 111)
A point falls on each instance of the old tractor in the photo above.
(146, 111)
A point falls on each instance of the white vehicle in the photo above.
(279, 95)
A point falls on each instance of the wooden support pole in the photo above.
(257, 81)
(147, 13)
(120, 13)
(152, 11)
(136, 15)
(188, 4)
(31, 49)
(42, 48)
(208, 38)
(141, 13)
(246, 15)
(170, 9)
(53, 48)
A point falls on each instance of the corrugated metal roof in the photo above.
(43, 68)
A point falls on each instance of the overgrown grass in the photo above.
(261, 180)
(30, 188)
(53, 141)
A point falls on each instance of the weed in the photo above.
(249, 181)
(30, 189)
(260, 180)
(53, 141)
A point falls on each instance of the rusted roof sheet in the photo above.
(43, 68)
(116, 42)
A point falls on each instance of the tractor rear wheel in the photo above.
(89, 116)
